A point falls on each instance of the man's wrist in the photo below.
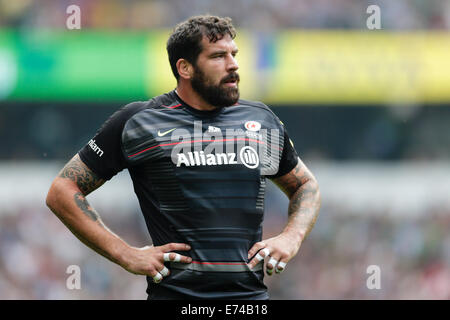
(122, 255)
(295, 236)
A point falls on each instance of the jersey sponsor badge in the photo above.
(249, 157)
(95, 147)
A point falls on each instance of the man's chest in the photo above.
(203, 145)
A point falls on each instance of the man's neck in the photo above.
(188, 95)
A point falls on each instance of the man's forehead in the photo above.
(226, 43)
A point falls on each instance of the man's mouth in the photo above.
(231, 82)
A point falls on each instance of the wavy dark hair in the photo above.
(185, 40)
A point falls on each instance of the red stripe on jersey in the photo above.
(210, 140)
(220, 263)
(172, 107)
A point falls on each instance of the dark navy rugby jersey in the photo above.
(199, 177)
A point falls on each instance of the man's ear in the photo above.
(185, 69)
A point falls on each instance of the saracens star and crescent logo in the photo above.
(252, 126)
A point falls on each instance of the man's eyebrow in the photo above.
(220, 52)
(217, 52)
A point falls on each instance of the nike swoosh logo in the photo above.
(160, 134)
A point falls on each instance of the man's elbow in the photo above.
(52, 196)
(315, 185)
(316, 191)
(55, 196)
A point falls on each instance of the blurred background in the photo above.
(368, 111)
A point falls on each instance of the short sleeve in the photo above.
(289, 157)
(103, 153)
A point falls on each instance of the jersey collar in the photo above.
(196, 112)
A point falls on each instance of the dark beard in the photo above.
(217, 96)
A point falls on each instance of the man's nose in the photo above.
(232, 64)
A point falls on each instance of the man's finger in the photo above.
(271, 264)
(259, 256)
(256, 247)
(157, 277)
(175, 247)
(172, 256)
(164, 272)
(280, 267)
(176, 257)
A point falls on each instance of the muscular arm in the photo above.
(303, 192)
(67, 199)
(304, 203)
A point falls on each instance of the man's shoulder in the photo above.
(257, 105)
(156, 102)
(254, 104)
(250, 103)
(134, 106)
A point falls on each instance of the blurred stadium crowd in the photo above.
(252, 14)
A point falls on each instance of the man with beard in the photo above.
(201, 194)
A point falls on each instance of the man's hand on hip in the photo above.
(149, 260)
(279, 249)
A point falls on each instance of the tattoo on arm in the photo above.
(79, 173)
(304, 198)
(82, 203)
(86, 181)
(293, 180)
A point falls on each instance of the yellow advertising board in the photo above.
(315, 67)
